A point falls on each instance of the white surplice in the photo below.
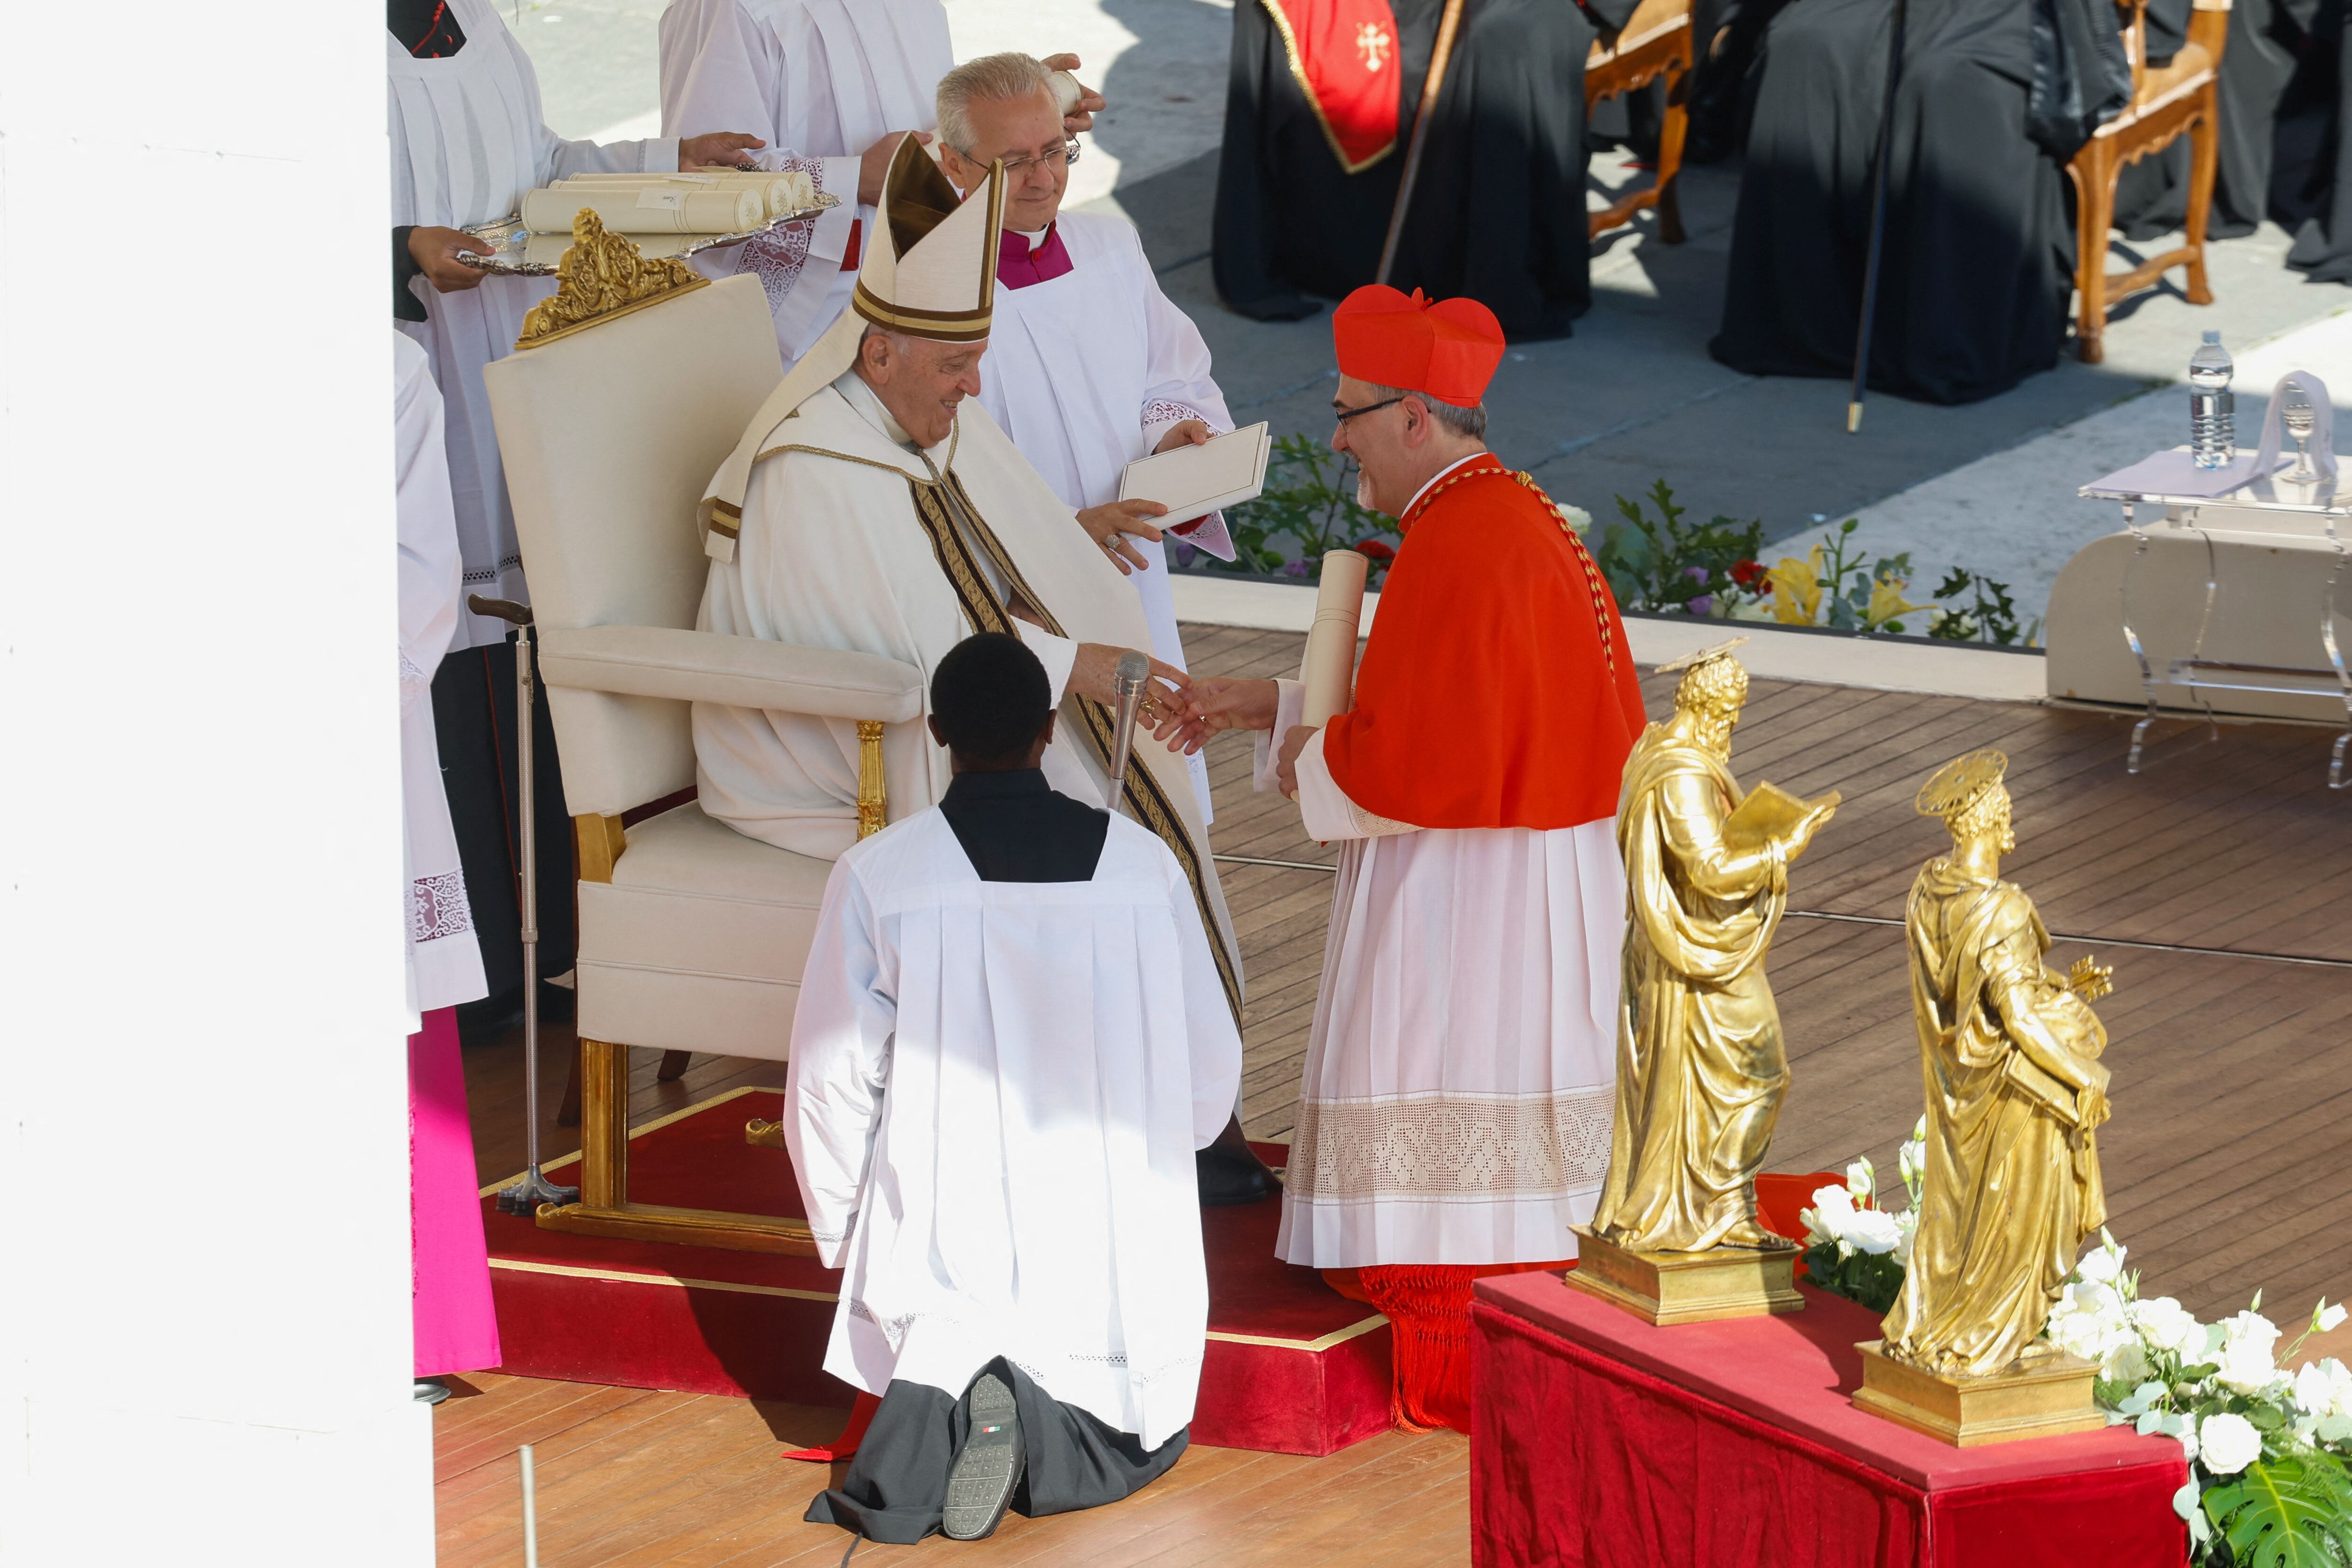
(1461, 1074)
(468, 142)
(995, 1092)
(821, 81)
(1086, 373)
(445, 959)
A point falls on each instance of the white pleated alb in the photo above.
(1461, 1076)
(445, 957)
(995, 1093)
(1086, 372)
(821, 81)
(467, 143)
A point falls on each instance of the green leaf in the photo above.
(2289, 1512)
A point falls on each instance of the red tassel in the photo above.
(1428, 1309)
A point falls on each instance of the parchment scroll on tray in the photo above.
(521, 254)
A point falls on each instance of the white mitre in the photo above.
(928, 271)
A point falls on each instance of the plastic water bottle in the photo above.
(2212, 412)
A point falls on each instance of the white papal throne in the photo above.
(627, 389)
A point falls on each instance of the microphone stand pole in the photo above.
(1134, 671)
(1870, 267)
(533, 1187)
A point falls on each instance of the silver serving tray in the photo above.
(510, 257)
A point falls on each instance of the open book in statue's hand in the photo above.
(1772, 815)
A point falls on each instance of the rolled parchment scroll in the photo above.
(646, 209)
(1328, 671)
(784, 191)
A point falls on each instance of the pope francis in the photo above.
(872, 505)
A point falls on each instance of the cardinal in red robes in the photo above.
(1455, 1115)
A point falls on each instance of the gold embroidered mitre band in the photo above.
(928, 271)
(934, 275)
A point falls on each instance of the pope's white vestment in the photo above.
(995, 1092)
(821, 81)
(1468, 1008)
(445, 959)
(468, 142)
(1086, 373)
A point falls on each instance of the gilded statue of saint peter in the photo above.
(1700, 1065)
(2015, 1089)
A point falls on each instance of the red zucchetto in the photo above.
(1447, 348)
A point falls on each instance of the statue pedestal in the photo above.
(2041, 1398)
(1669, 1288)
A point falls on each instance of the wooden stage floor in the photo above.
(2218, 883)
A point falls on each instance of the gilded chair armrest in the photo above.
(742, 672)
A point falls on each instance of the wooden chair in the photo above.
(2184, 95)
(1656, 40)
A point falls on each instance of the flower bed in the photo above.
(1661, 564)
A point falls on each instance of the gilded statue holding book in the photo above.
(1700, 1065)
(2015, 1094)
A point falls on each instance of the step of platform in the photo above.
(1291, 1365)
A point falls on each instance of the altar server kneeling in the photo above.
(1004, 990)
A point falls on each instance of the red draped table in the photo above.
(1599, 1440)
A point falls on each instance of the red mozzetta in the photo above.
(1497, 690)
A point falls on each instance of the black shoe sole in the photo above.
(989, 1467)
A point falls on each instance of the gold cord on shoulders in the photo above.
(1576, 542)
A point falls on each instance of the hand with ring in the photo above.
(1111, 525)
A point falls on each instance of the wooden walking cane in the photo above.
(1447, 22)
(1870, 265)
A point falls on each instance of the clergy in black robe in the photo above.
(2283, 140)
(1995, 97)
(1308, 178)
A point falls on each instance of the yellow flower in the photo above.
(1887, 601)
(1797, 589)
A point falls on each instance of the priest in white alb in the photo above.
(1089, 365)
(831, 84)
(1454, 1114)
(467, 143)
(1005, 991)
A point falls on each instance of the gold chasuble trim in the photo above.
(937, 505)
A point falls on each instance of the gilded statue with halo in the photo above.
(2015, 1091)
(1701, 1068)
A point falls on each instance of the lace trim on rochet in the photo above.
(778, 259)
(1451, 1146)
(438, 907)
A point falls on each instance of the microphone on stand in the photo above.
(1134, 671)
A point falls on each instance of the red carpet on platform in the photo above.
(1600, 1439)
(1292, 1366)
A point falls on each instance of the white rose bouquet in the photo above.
(1853, 1248)
(2268, 1481)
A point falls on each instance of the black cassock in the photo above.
(1498, 207)
(1979, 246)
(2284, 140)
